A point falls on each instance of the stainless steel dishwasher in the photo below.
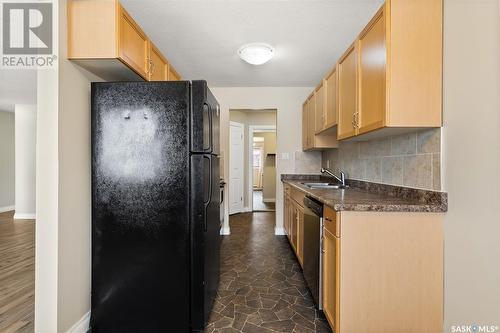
(313, 237)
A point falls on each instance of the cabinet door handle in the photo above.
(328, 219)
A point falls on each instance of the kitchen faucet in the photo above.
(340, 179)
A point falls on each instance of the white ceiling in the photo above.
(201, 37)
(17, 86)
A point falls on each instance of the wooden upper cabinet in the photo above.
(319, 111)
(347, 93)
(158, 65)
(388, 81)
(414, 63)
(312, 113)
(331, 99)
(372, 74)
(105, 39)
(133, 47)
(399, 72)
(305, 125)
(172, 74)
(311, 129)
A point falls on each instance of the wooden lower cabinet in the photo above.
(293, 226)
(300, 234)
(331, 263)
(382, 271)
(293, 222)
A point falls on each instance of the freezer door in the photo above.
(205, 115)
(205, 236)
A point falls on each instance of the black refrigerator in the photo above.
(155, 206)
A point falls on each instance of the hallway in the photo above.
(259, 205)
(261, 288)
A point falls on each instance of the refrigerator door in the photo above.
(212, 239)
(205, 236)
(205, 117)
(140, 207)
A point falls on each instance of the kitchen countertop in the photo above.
(366, 196)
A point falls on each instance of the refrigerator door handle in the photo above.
(207, 203)
(209, 149)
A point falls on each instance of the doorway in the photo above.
(263, 166)
(236, 167)
(252, 160)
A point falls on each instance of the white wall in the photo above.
(63, 235)
(269, 166)
(7, 161)
(288, 103)
(471, 162)
(25, 161)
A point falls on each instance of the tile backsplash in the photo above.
(307, 162)
(412, 160)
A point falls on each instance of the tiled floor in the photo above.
(259, 205)
(262, 288)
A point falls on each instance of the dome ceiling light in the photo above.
(256, 53)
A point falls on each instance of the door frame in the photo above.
(251, 130)
(242, 126)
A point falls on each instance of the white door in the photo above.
(236, 166)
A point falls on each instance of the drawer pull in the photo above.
(328, 219)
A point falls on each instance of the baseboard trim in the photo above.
(18, 216)
(268, 200)
(225, 231)
(278, 231)
(81, 326)
(7, 209)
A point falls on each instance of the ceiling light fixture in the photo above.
(256, 53)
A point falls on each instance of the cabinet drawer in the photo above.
(331, 221)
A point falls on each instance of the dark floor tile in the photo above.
(280, 325)
(223, 322)
(267, 315)
(302, 321)
(239, 320)
(285, 313)
(251, 328)
(228, 311)
(262, 288)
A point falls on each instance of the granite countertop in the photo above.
(366, 196)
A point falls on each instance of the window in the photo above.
(257, 157)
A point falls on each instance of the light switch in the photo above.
(285, 156)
